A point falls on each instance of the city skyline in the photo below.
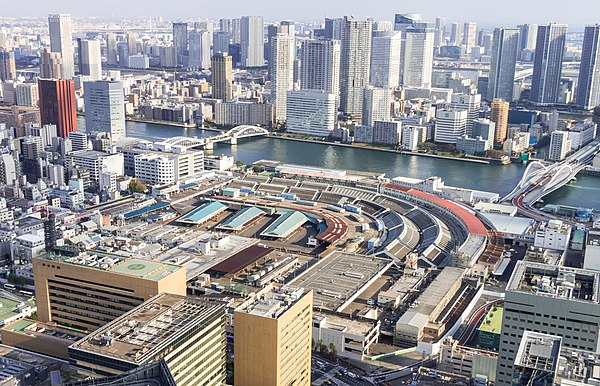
(494, 14)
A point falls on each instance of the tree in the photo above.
(494, 153)
(137, 186)
(17, 280)
(257, 169)
(332, 350)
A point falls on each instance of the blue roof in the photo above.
(188, 186)
(242, 217)
(148, 209)
(285, 224)
(204, 212)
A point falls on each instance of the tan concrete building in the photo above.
(499, 115)
(272, 335)
(90, 290)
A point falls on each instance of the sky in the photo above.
(486, 13)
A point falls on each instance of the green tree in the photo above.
(137, 186)
(257, 169)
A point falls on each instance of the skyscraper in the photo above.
(132, 48)
(450, 124)
(527, 40)
(57, 105)
(504, 60)
(320, 68)
(51, 65)
(105, 108)
(61, 40)
(499, 115)
(222, 77)
(440, 32)
(180, 41)
(199, 49)
(355, 64)
(7, 66)
(588, 87)
(385, 58)
(90, 59)
(547, 68)
(281, 70)
(111, 49)
(251, 41)
(333, 28)
(310, 112)
(455, 35)
(418, 56)
(221, 41)
(469, 35)
(376, 105)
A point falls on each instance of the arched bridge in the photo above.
(230, 136)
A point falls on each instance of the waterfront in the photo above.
(496, 178)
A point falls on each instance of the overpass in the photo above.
(231, 136)
(541, 179)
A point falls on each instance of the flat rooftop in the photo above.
(138, 335)
(555, 281)
(493, 320)
(37, 329)
(350, 326)
(150, 270)
(273, 301)
(538, 351)
(337, 278)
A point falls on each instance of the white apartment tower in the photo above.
(418, 56)
(90, 59)
(560, 145)
(311, 112)
(385, 58)
(505, 50)
(320, 69)
(281, 69)
(252, 41)
(376, 105)
(61, 40)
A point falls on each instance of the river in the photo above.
(495, 178)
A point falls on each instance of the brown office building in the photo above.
(499, 114)
(92, 289)
(272, 337)
(7, 66)
(222, 77)
(57, 105)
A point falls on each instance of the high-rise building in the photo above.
(180, 41)
(320, 69)
(281, 71)
(27, 94)
(504, 60)
(221, 41)
(560, 145)
(527, 40)
(61, 40)
(377, 105)
(57, 105)
(273, 333)
(222, 77)
(187, 334)
(469, 102)
(252, 41)
(8, 71)
(334, 28)
(385, 58)
(88, 291)
(440, 32)
(486, 129)
(549, 299)
(455, 35)
(588, 86)
(499, 115)
(387, 132)
(105, 108)
(90, 58)
(547, 68)
(111, 49)
(418, 56)
(199, 49)
(469, 38)
(311, 112)
(132, 46)
(51, 65)
(450, 124)
(123, 53)
(355, 64)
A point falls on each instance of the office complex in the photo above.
(27, 94)
(499, 115)
(376, 105)
(547, 68)
(272, 337)
(187, 333)
(61, 41)
(251, 41)
(111, 49)
(90, 59)
(7, 66)
(51, 65)
(320, 69)
(560, 145)
(282, 73)
(450, 125)
(440, 32)
(588, 86)
(455, 34)
(504, 59)
(105, 108)
(355, 64)
(385, 58)
(484, 128)
(548, 299)
(469, 35)
(199, 49)
(469, 102)
(417, 57)
(87, 291)
(222, 76)
(527, 41)
(57, 105)
(180, 41)
(311, 112)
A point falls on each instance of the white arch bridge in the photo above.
(230, 136)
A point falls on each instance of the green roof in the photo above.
(492, 322)
(242, 217)
(285, 224)
(8, 308)
(21, 325)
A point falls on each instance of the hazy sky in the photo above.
(579, 12)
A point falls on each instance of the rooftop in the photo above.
(555, 281)
(150, 270)
(148, 209)
(139, 335)
(350, 326)
(241, 218)
(273, 301)
(493, 320)
(285, 224)
(538, 351)
(203, 213)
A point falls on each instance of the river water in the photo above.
(495, 178)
